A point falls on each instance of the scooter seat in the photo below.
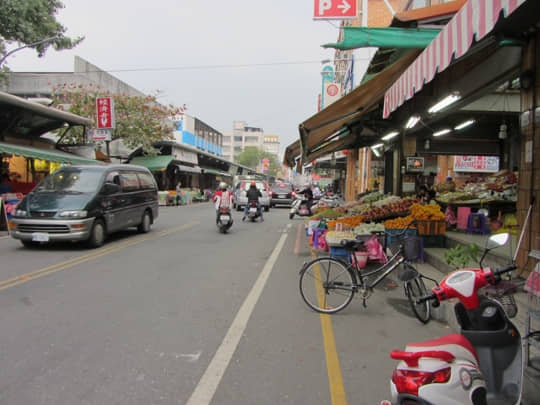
(454, 343)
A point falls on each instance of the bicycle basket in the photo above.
(503, 294)
(406, 273)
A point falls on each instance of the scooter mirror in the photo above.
(497, 240)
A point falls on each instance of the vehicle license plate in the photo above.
(282, 196)
(253, 209)
(40, 237)
(224, 218)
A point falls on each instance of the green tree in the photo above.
(252, 156)
(24, 22)
(139, 121)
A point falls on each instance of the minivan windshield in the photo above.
(71, 180)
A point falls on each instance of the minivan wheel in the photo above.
(146, 222)
(97, 234)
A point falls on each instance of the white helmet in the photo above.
(223, 185)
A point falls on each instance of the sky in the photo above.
(245, 60)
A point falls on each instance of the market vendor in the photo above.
(447, 186)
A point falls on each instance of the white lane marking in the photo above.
(206, 388)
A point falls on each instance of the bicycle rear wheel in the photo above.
(415, 288)
(327, 285)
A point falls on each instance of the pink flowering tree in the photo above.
(139, 120)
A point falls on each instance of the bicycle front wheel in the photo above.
(415, 288)
(327, 285)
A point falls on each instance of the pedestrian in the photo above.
(178, 193)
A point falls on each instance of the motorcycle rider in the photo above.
(223, 198)
(253, 194)
(308, 195)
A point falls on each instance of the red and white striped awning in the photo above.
(473, 22)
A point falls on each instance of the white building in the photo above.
(271, 144)
(241, 137)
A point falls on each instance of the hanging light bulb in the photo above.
(427, 144)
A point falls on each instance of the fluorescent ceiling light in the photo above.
(411, 123)
(376, 152)
(442, 132)
(445, 102)
(377, 146)
(464, 125)
(390, 135)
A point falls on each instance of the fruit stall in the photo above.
(376, 217)
(494, 196)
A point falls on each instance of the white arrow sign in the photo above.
(344, 6)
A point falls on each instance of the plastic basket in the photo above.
(339, 253)
(503, 294)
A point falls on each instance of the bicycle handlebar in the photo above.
(426, 298)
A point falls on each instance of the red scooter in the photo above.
(481, 365)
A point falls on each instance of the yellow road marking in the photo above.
(335, 379)
(24, 278)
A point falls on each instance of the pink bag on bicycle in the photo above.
(375, 250)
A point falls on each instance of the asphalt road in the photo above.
(186, 315)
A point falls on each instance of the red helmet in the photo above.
(253, 183)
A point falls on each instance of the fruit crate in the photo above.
(431, 227)
(434, 241)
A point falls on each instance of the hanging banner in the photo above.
(476, 164)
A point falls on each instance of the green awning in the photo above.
(44, 154)
(389, 37)
(153, 163)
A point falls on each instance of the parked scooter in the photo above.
(224, 220)
(482, 365)
(299, 207)
(332, 200)
(253, 211)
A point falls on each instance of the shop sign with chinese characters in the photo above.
(99, 135)
(104, 112)
(476, 164)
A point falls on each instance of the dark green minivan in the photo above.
(86, 203)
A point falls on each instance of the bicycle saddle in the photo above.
(352, 245)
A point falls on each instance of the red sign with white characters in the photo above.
(335, 9)
(105, 112)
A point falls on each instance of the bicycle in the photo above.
(328, 284)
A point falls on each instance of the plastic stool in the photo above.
(481, 228)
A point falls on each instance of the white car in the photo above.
(240, 196)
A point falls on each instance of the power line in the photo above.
(199, 67)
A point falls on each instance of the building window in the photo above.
(252, 139)
(238, 139)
